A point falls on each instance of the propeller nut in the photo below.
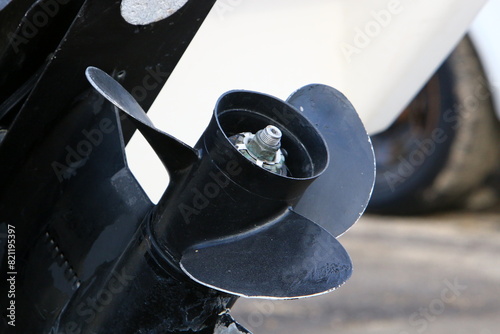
(262, 148)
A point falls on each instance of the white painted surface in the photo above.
(485, 35)
(278, 46)
(377, 52)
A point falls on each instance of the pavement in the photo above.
(437, 274)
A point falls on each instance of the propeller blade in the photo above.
(291, 258)
(174, 154)
(340, 195)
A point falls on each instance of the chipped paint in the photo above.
(142, 12)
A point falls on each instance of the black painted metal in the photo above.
(74, 217)
(30, 32)
(141, 57)
(94, 255)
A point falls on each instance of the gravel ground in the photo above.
(438, 275)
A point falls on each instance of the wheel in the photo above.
(444, 146)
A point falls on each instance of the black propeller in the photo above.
(232, 225)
